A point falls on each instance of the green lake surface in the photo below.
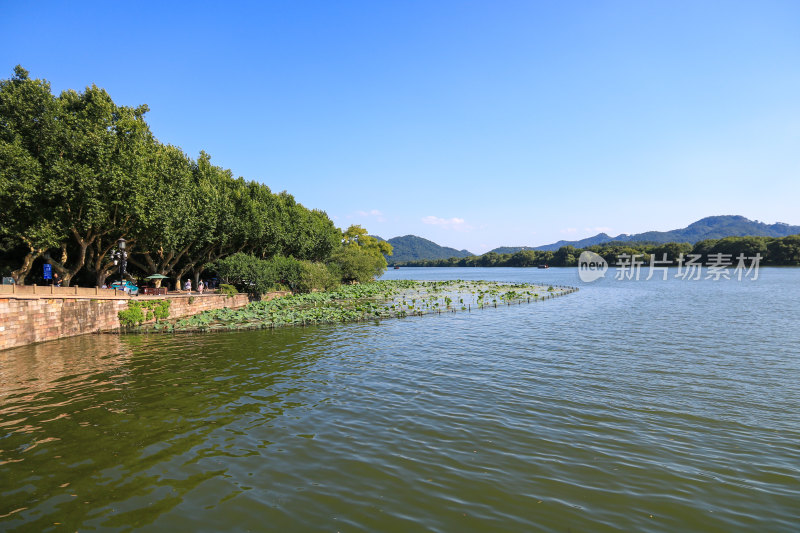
(627, 406)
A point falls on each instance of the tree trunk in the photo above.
(165, 263)
(22, 272)
(183, 271)
(68, 272)
(192, 261)
(99, 261)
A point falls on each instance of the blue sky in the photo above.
(474, 124)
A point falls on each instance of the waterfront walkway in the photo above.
(33, 292)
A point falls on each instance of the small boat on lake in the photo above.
(544, 266)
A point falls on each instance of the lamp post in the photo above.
(121, 259)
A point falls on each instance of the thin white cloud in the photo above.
(455, 223)
(569, 230)
(377, 214)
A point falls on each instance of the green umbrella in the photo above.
(157, 278)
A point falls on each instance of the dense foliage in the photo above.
(361, 256)
(137, 312)
(256, 276)
(774, 251)
(78, 172)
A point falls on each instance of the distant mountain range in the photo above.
(715, 227)
(413, 248)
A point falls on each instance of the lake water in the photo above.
(660, 406)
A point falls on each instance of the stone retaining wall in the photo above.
(180, 306)
(25, 320)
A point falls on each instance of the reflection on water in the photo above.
(30, 374)
(114, 410)
(623, 406)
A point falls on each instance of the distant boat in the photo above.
(544, 266)
(397, 268)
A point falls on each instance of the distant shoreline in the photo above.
(773, 251)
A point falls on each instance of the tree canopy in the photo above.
(361, 256)
(78, 172)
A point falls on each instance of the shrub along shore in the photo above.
(362, 302)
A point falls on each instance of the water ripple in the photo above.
(644, 406)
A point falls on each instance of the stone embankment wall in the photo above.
(27, 319)
(180, 306)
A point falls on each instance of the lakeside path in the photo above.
(369, 301)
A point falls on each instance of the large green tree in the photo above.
(104, 179)
(78, 172)
(167, 219)
(360, 257)
(28, 126)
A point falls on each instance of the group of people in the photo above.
(201, 286)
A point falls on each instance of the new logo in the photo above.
(591, 266)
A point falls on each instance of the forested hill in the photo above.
(716, 227)
(413, 248)
(600, 238)
(510, 249)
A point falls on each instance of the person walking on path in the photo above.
(188, 285)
